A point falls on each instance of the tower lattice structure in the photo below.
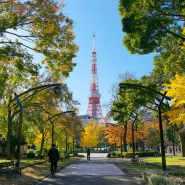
(94, 106)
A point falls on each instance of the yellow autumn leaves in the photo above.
(91, 135)
(176, 90)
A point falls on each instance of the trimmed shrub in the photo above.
(30, 153)
(145, 154)
(41, 156)
(156, 179)
(37, 152)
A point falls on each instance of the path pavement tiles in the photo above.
(97, 171)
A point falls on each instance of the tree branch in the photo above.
(18, 35)
(164, 12)
(22, 45)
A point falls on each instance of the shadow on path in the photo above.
(76, 173)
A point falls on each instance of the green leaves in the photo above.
(44, 24)
(147, 22)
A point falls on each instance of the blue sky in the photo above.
(112, 57)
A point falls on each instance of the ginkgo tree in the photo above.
(176, 90)
(91, 134)
(43, 24)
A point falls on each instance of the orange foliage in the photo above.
(113, 134)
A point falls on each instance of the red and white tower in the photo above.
(94, 106)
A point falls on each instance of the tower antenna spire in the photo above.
(93, 41)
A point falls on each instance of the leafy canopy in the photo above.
(90, 136)
(147, 22)
(42, 23)
(176, 90)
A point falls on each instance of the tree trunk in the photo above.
(124, 139)
(66, 142)
(136, 144)
(173, 142)
(133, 144)
(73, 144)
(42, 144)
(182, 140)
(9, 133)
(136, 147)
(3, 151)
(143, 146)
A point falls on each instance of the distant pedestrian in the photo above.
(156, 153)
(88, 153)
(53, 158)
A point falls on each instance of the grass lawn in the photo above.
(137, 168)
(23, 161)
(175, 162)
(33, 173)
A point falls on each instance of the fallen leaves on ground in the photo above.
(32, 173)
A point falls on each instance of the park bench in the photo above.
(9, 167)
(136, 159)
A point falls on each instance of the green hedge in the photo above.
(141, 154)
(30, 153)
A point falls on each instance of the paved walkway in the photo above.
(98, 171)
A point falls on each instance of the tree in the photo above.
(113, 134)
(171, 59)
(147, 22)
(17, 80)
(90, 137)
(17, 75)
(176, 113)
(43, 23)
(114, 86)
(127, 109)
(153, 137)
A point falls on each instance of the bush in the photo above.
(14, 153)
(129, 151)
(113, 154)
(61, 151)
(41, 156)
(156, 179)
(45, 151)
(69, 152)
(141, 154)
(37, 152)
(30, 153)
(176, 173)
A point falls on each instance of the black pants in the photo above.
(55, 166)
(88, 157)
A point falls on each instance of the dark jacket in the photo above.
(53, 155)
(88, 151)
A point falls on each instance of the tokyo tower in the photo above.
(94, 106)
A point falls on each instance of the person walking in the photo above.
(53, 158)
(88, 153)
(156, 153)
